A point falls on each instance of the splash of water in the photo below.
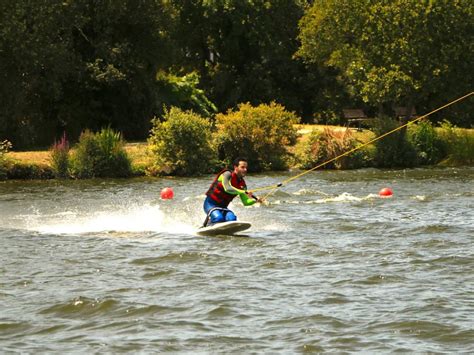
(145, 218)
(343, 197)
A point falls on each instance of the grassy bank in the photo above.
(37, 164)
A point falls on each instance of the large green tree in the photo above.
(122, 45)
(243, 50)
(36, 58)
(76, 64)
(400, 52)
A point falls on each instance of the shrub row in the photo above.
(419, 144)
(183, 143)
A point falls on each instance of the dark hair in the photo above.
(237, 160)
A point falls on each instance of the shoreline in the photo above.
(36, 164)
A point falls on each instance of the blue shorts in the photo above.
(218, 215)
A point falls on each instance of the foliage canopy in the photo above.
(396, 52)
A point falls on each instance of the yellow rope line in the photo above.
(274, 187)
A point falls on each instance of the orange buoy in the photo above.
(386, 192)
(167, 193)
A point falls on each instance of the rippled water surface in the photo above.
(328, 265)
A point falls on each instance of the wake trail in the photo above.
(145, 218)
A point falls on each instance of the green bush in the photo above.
(60, 157)
(426, 142)
(4, 147)
(19, 170)
(393, 150)
(320, 147)
(181, 144)
(262, 134)
(459, 144)
(100, 155)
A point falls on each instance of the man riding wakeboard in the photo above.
(227, 185)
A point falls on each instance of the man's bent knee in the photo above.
(217, 217)
(230, 216)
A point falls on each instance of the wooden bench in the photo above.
(356, 117)
(402, 113)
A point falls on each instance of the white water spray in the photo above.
(145, 218)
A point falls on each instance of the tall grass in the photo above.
(59, 153)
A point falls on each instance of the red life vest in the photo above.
(217, 192)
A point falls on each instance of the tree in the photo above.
(74, 65)
(396, 52)
(36, 58)
(243, 50)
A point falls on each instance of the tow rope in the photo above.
(273, 188)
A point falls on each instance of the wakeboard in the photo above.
(224, 228)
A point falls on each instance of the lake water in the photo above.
(328, 266)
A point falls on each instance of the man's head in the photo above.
(240, 166)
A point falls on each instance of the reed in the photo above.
(60, 157)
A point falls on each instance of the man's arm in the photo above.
(245, 198)
(226, 176)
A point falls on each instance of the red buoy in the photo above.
(167, 193)
(386, 192)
